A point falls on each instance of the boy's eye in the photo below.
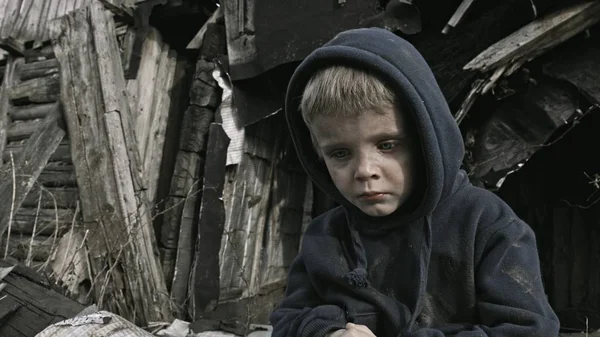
(339, 154)
(386, 146)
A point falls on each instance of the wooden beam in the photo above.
(32, 111)
(43, 68)
(38, 304)
(106, 159)
(17, 180)
(198, 39)
(205, 276)
(61, 154)
(5, 106)
(35, 90)
(458, 15)
(45, 220)
(537, 37)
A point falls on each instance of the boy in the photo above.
(414, 249)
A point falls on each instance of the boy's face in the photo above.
(370, 159)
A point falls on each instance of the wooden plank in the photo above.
(57, 174)
(36, 90)
(46, 221)
(205, 275)
(538, 37)
(62, 153)
(185, 184)
(39, 305)
(86, 47)
(246, 197)
(153, 151)
(22, 129)
(187, 175)
(283, 228)
(458, 15)
(17, 180)
(198, 39)
(27, 112)
(11, 16)
(19, 247)
(43, 68)
(52, 197)
(146, 82)
(7, 82)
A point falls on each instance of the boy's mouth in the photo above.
(372, 196)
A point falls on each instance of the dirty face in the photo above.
(370, 158)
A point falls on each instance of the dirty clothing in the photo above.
(455, 262)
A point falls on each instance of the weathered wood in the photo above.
(52, 197)
(37, 303)
(86, 47)
(186, 179)
(45, 220)
(61, 154)
(518, 127)
(7, 82)
(458, 15)
(198, 39)
(537, 37)
(19, 247)
(151, 105)
(205, 275)
(18, 180)
(180, 211)
(28, 71)
(284, 226)
(37, 90)
(153, 153)
(57, 174)
(27, 112)
(144, 88)
(246, 197)
(22, 129)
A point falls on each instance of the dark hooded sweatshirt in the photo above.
(459, 262)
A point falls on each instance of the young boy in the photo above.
(414, 249)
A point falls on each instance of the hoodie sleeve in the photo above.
(302, 313)
(511, 298)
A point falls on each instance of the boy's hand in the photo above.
(336, 333)
(357, 330)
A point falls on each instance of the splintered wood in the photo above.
(18, 178)
(108, 166)
(508, 55)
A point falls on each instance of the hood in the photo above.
(397, 63)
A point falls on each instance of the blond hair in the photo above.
(344, 91)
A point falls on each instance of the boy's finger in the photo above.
(360, 327)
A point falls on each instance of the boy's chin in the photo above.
(377, 210)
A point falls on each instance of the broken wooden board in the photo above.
(43, 68)
(198, 39)
(18, 178)
(28, 303)
(537, 37)
(204, 278)
(106, 158)
(519, 126)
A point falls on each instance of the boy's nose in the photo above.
(365, 169)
